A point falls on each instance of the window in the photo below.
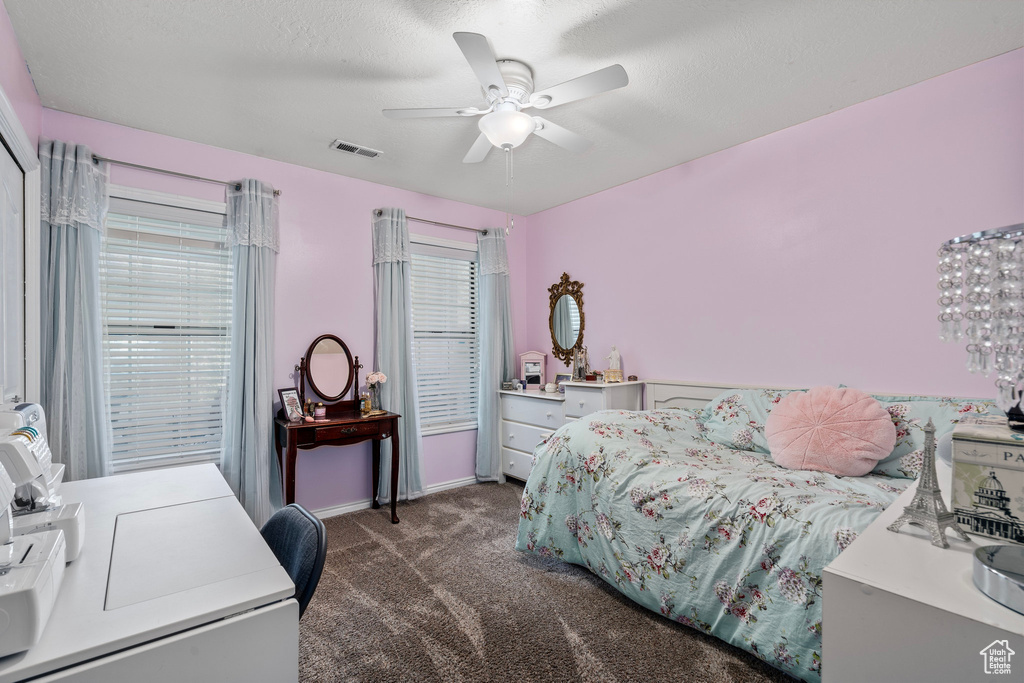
(166, 288)
(445, 349)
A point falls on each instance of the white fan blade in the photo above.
(478, 152)
(485, 65)
(563, 137)
(594, 83)
(427, 113)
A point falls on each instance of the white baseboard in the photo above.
(445, 485)
(366, 503)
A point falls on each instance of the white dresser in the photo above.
(584, 398)
(529, 417)
(896, 608)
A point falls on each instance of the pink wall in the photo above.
(324, 275)
(16, 81)
(803, 257)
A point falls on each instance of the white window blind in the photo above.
(445, 348)
(166, 283)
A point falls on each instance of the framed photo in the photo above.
(562, 377)
(291, 404)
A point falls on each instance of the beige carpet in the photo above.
(444, 596)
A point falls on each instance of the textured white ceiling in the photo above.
(283, 78)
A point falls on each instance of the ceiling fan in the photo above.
(508, 87)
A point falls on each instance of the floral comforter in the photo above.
(721, 540)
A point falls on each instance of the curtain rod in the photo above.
(96, 159)
(483, 231)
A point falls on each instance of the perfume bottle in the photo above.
(364, 402)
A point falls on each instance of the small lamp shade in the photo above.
(507, 128)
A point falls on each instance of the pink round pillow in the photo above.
(830, 429)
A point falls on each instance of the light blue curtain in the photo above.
(497, 357)
(73, 198)
(248, 461)
(393, 350)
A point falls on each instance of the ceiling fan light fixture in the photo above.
(507, 128)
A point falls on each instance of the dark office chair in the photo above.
(299, 541)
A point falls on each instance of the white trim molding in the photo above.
(13, 134)
(449, 429)
(366, 503)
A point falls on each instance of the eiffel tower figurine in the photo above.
(927, 510)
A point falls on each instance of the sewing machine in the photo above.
(31, 570)
(37, 504)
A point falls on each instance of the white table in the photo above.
(897, 608)
(185, 590)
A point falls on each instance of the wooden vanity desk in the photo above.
(343, 426)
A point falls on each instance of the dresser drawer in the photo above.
(580, 401)
(347, 431)
(516, 463)
(523, 437)
(540, 412)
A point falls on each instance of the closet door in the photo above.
(12, 278)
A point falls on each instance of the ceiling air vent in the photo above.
(359, 150)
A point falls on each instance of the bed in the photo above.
(682, 509)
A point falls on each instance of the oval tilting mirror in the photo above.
(329, 367)
(566, 320)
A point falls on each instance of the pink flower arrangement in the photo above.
(376, 378)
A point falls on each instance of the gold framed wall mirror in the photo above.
(566, 320)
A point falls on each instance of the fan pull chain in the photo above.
(510, 221)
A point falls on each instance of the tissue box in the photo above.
(988, 478)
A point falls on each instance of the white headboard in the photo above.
(669, 393)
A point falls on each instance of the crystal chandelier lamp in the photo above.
(981, 285)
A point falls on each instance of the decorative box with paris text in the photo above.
(988, 478)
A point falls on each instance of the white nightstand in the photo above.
(897, 608)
